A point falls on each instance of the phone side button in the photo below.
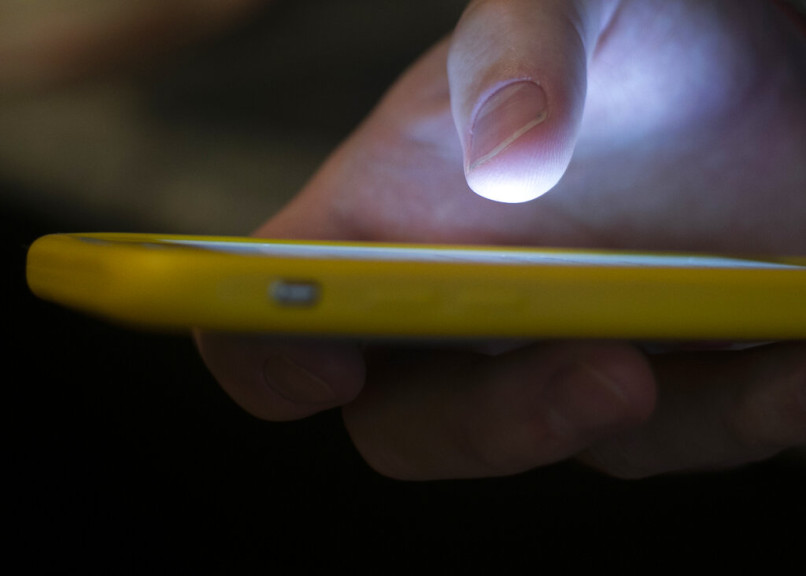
(294, 293)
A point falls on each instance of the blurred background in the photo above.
(205, 116)
(209, 132)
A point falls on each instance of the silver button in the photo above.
(294, 292)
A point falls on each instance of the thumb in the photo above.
(517, 72)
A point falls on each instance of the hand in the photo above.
(669, 125)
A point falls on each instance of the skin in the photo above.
(674, 125)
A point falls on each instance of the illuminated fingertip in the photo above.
(508, 194)
(508, 189)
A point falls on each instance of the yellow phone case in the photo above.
(378, 290)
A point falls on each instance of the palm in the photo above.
(702, 155)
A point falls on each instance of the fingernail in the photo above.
(504, 118)
(295, 383)
(582, 398)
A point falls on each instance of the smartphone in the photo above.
(417, 291)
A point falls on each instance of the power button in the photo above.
(294, 293)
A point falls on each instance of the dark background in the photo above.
(125, 456)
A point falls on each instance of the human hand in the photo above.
(674, 125)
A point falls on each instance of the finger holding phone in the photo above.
(637, 125)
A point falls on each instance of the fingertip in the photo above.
(518, 79)
(500, 186)
(629, 374)
(532, 154)
(280, 381)
(719, 409)
(516, 152)
(520, 143)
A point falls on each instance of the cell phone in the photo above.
(419, 291)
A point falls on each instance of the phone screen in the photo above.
(508, 256)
